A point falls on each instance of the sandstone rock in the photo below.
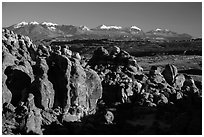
(163, 99)
(169, 73)
(77, 56)
(43, 51)
(7, 60)
(64, 88)
(8, 119)
(33, 120)
(134, 70)
(6, 93)
(33, 51)
(59, 74)
(66, 52)
(94, 86)
(123, 58)
(189, 81)
(48, 117)
(156, 80)
(41, 87)
(79, 90)
(100, 56)
(70, 118)
(109, 117)
(16, 68)
(179, 81)
(115, 50)
(56, 49)
(17, 82)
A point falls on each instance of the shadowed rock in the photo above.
(17, 82)
(59, 75)
(169, 73)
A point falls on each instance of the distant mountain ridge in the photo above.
(48, 30)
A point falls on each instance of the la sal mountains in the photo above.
(48, 30)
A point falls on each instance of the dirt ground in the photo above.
(191, 64)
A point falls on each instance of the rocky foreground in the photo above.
(52, 90)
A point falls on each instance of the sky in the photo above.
(181, 17)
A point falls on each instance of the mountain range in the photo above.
(48, 30)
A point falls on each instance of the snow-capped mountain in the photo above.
(21, 24)
(45, 30)
(33, 23)
(84, 28)
(135, 28)
(104, 27)
(49, 24)
(164, 34)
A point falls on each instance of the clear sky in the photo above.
(179, 17)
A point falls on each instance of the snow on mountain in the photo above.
(49, 24)
(34, 23)
(51, 28)
(159, 29)
(84, 28)
(20, 24)
(110, 27)
(135, 27)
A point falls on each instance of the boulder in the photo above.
(109, 117)
(156, 78)
(48, 117)
(123, 58)
(179, 81)
(77, 56)
(114, 52)
(189, 86)
(42, 51)
(66, 52)
(170, 73)
(100, 56)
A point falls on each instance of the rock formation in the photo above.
(47, 89)
(50, 79)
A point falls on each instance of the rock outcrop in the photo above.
(51, 78)
(41, 87)
(123, 80)
(50, 86)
